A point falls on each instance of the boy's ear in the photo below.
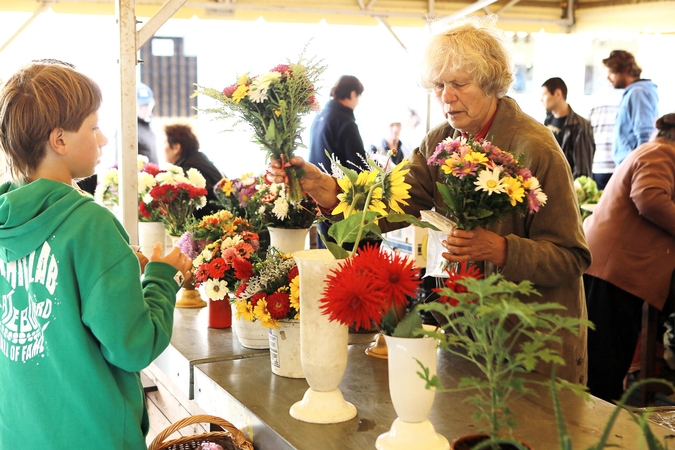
(57, 141)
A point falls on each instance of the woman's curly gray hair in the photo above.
(476, 46)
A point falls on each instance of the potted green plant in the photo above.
(484, 321)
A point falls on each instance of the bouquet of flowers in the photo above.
(236, 195)
(174, 198)
(210, 228)
(276, 210)
(225, 262)
(272, 293)
(107, 189)
(587, 194)
(482, 183)
(272, 104)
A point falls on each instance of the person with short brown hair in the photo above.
(79, 323)
(638, 109)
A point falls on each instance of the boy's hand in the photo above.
(176, 258)
(143, 260)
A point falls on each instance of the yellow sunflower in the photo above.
(395, 187)
(354, 195)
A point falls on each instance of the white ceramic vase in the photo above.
(284, 344)
(249, 334)
(323, 345)
(288, 240)
(411, 400)
(148, 234)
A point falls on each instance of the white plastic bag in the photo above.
(436, 264)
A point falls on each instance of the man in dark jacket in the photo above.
(334, 130)
(573, 133)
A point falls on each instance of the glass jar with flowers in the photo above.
(271, 298)
(272, 104)
(287, 222)
(223, 263)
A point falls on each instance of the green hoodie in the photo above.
(77, 322)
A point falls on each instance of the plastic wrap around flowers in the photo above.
(480, 183)
(272, 293)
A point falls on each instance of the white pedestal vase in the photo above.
(284, 343)
(288, 240)
(323, 345)
(150, 233)
(249, 334)
(411, 400)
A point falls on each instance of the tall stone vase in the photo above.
(189, 296)
(411, 400)
(288, 240)
(323, 345)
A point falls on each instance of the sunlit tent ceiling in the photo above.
(516, 15)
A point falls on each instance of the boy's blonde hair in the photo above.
(33, 102)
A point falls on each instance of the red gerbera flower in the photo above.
(278, 304)
(243, 269)
(255, 297)
(217, 268)
(397, 277)
(465, 271)
(143, 210)
(350, 297)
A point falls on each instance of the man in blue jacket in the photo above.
(638, 109)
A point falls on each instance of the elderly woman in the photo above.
(469, 71)
(631, 234)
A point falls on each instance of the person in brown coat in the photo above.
(631, 234)
(469, 71)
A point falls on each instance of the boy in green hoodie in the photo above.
(77, 323)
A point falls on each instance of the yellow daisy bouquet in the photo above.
(366, 198)
(272, 294)
(480, 183)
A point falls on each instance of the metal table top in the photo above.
(246, 393)
(193, 342)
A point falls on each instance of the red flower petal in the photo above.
(279, 305)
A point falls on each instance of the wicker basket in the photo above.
(230, 438)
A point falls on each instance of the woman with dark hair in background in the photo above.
(182, 149)
(631, 234)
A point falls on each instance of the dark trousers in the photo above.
(617, 316)
(601, 179)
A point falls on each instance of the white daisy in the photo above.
(216, 289)
(488, 180)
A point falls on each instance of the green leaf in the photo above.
(448, 198)
(394, 217)
(337, 251)
(410, 326)
(346, 230)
